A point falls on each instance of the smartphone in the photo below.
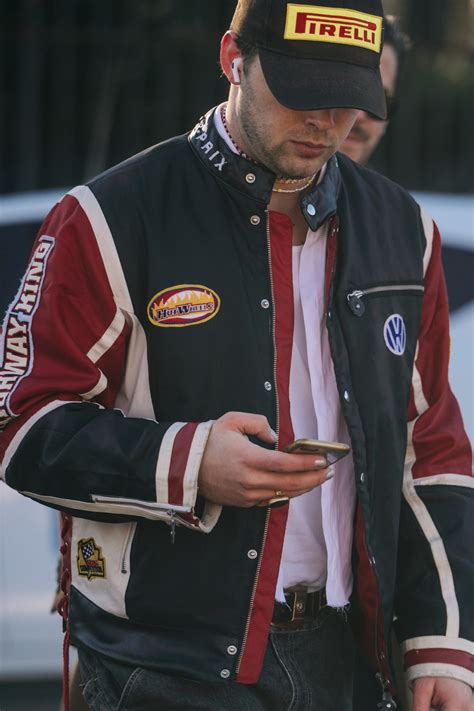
(331, 450)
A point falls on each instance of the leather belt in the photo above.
(299, 606)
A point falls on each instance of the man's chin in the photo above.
(301, 170)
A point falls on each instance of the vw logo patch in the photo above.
(395, 334)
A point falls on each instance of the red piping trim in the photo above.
(262, 610)
(281, 242)
(331, 253)
(368, 616)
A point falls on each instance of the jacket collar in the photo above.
(318, 203)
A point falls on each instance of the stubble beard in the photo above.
(256, 130)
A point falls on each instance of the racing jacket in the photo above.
(157, 298)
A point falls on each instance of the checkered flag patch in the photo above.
(88, 549)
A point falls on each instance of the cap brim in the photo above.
(311, 84)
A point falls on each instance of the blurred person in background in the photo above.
(164, 305)
(368, 129)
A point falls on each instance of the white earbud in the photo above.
(235, 69)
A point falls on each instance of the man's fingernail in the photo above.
(274, 434)
(330, 473)
(320, 463)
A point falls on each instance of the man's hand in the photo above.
(235, 472)
(442, 693)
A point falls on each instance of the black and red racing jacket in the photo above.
(157, 298)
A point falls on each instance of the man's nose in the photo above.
(322, 119)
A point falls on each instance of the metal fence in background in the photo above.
(84, 84)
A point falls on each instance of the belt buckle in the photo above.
(300, 602)
(304, 605)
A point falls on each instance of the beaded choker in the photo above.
(224, 122)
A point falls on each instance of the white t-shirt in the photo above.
(318, 539)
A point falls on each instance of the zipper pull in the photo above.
(172, 527)
(356, 305)
(387, 703)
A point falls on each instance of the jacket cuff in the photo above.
(439, 657)
(177, 471)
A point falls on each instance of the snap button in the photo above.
(265, 304)
(268, 386)
(362, 477)
(225, 673)
(255, 220)
(232, 649)
(311, 210)
(250, 178)
(252, 554)
(347, 397)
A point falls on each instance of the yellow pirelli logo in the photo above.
(336, 25)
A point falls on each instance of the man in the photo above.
(368, 129)
(184, 318)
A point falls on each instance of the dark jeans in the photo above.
(304, 670)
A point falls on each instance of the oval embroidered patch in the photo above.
(183, 305)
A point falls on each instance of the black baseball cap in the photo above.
(317, 56)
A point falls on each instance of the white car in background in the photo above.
(30, 636)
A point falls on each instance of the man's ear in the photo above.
(231, 60)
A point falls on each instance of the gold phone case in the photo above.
(331, 450)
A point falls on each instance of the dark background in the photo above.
(86, 83)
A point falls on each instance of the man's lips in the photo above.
(306, 148)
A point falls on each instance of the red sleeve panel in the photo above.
(434, 604)
(440, 442)
(62, 309)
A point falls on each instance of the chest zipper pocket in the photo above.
(355, 299)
